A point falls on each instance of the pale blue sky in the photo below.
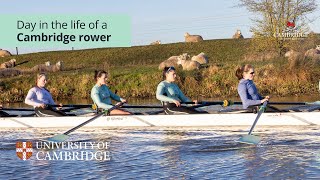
(165, 20)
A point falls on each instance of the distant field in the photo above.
(134, 71)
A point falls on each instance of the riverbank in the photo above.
(134, 72)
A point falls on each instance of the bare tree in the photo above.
(275, 17)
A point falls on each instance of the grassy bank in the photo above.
(134, 71)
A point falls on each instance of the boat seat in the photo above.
(232, 111)
(149, 113)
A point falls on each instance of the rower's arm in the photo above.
(31, 99)
(182, 97)
(51, 101)
(114, 96)
(160, 92)
(96, 99)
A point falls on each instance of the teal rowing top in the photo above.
(101, 96)
(167, 92)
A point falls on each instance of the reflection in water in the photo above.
(173, 144)
(281, 160)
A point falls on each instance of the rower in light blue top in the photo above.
(172, 91)
(102, 95)
(171, 96)
(247, 90)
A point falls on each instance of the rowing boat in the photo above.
(193, 120)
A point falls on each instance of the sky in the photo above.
(165, 20)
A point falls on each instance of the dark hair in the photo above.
(240, 70)
(98, 73)
(167, 70)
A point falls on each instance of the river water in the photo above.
(184, 153)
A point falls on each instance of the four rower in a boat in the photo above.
(40, 98)
(247, 90)
(171, 96)
(102, 95)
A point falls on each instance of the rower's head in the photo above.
(245, 72)
(169, 74)
(100, 77)
(41, 80)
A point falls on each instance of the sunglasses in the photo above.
(170, 69)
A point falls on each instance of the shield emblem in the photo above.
(24, 150)
(290, 24)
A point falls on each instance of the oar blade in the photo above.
(249, 139)
(58, 138)
(313, 103)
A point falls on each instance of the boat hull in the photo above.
(196, 120)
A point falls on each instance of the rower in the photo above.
(102, 95)
(40, 98)
(247, 89)
(171, 96)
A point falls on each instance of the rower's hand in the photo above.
(264, 100)
(195, 102)
(42, 106)
(59, 108)
(123, 101)
(178, 104)
(0, 106)
(119, 104)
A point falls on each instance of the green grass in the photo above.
(134, 71)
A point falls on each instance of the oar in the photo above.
(73, 105)
(224, 103)
(25, 109)
(142, 106)
(283, 103)
(64, 136)
(198, 104)
(250, 139)
(16, 109)
(295, 103)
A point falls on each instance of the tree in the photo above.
(277, 17)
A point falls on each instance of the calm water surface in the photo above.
(286, 153)
(188, 153)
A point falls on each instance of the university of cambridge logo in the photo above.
(291, 25)
(24, 150)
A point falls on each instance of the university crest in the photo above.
(24, 150)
